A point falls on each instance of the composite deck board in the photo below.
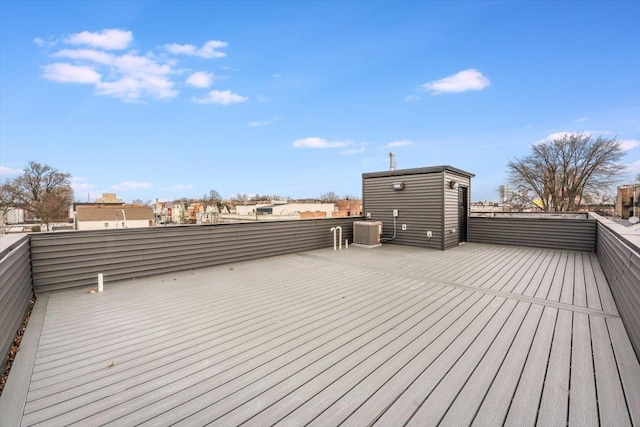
(470, 396)
(165, 351)
(342, 396)
(604, 292)
(273, 305)
(556, 390)
(524, 408)
(579, 289)
(435, 406)
(611, 400)
(394, 335)
(496, 403)
(542, 282)
(212, 390)
(197, 325)
(423, 379)
(566, 294)
(199, 362)
(628, 367)
(555, 288)
(270, 405)
(378, 366)
(583, 410)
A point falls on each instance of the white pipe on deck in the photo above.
(340, 239)
(100, 282)
(334, 237)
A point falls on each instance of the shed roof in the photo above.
(416, 171)
(108, 213)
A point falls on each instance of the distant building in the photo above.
(351, 207)
(108, 199)
(14, 216)
(626, 199)
(296, 209)
(113, 217)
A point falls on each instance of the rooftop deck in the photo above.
(480, 334)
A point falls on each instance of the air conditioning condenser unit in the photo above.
(367, 233)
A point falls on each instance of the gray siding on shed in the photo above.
(571, 234)
(65, 260)
(15, 289)
(419, 206)
(451, 231)
(621, 266)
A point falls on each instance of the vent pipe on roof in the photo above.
(392, 161)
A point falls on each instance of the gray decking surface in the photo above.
(481, 334)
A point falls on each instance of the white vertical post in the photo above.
(340, 239)
(334, 237)
(100, 282)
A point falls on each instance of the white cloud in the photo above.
(200, 79)
(629, 144)
(277, 75)
(69, 73)
(90, 55)
(129, 76)
(224, 97)
(463, 81)
(261, 98)
(44, 43)
(625, 144)
(131, 185)
(413, 98)
(10, 171)
(314, 142)
(402, 143)
(81, 184)
(108, 39)
(208, 50)
(267, 122)
(353, 151)
(554, 136)
(581, 119)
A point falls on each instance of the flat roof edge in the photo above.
(417, 171)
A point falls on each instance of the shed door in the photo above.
(463, 209)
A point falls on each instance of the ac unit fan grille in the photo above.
(367, 232)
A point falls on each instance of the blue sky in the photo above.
(172, 99)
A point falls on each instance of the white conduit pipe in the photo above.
(334, 237)
(340, 239)
(100, 282)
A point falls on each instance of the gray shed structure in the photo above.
(425, 207)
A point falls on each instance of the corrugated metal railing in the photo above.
(15, 287)
(572, 233)
(618, 251)
(66, 260)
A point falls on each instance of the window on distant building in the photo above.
(106, 225)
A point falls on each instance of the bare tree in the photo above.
(329, 197)
(7, 203)
(241, 197)
(558, 175)
(43, 191)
